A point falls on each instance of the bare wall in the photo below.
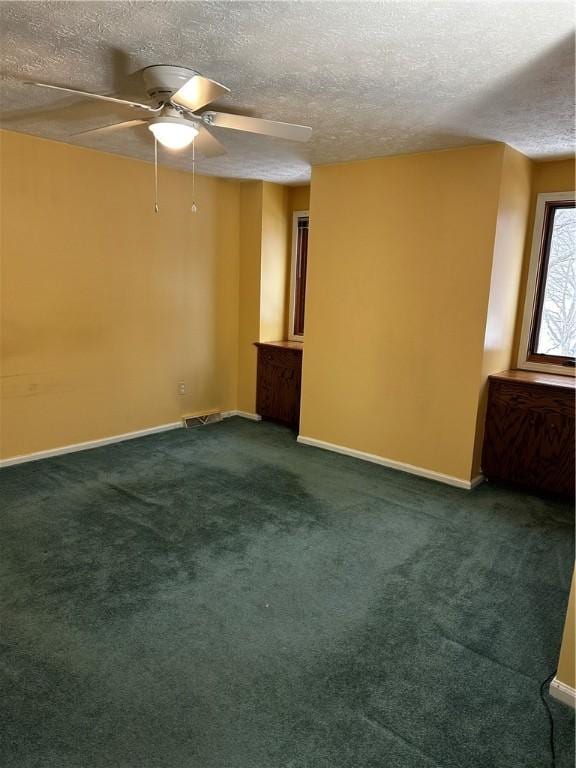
(107, 306)
(399, 279)
(505, 279)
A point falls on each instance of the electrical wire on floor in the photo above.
(543, 687)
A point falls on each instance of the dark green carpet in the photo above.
(226, 598)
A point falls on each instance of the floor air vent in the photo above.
(200, 421)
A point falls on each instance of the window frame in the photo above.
(541, 236)
(293, 262)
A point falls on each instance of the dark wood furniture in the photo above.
(529, 435)
(278, 381)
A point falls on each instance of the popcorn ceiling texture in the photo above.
(372, 79)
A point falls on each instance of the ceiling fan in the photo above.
(177, 93)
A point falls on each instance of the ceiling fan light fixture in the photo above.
(172, 132)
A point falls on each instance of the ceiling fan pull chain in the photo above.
(155, 175)
(193, 207)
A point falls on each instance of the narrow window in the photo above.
(549, 332)
(298, 275)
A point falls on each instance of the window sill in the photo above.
(559, 370)
(534, 377)
(297, 345)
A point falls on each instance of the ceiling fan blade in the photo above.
(257, 125)
(197, 92)
(114, 100)
(207, 145)
(111, 128)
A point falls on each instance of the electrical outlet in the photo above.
(181, 388)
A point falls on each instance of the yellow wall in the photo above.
(249, 291)
(397, 301)
(411, 294)
(275, 267)
(264, 277)
(554, 176)
(106, 306)
(566, 664)
(300, 198)
(505, 280)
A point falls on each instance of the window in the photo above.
(549, 330)
(298, 275)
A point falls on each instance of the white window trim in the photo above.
(523, 362)
(295, 216)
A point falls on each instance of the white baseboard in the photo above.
(391, 464)
(87, 445)
(242, 414)
(478, 480)
(562, 692)
(109, 440)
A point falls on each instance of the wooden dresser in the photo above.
(278, 381)
(529, 435)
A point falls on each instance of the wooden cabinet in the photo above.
(529, 435)
(278, 381)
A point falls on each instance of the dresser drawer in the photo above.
(284, 358)
(532, 397)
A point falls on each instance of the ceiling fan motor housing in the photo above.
(164, 80)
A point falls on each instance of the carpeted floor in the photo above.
(226, 598)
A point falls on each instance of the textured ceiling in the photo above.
(372, 79)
